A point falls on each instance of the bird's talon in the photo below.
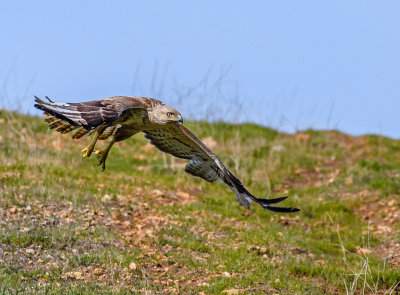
(86, 152)
(103, 156)
(103, 166)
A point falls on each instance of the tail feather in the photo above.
(244, 197)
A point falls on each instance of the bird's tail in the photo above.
(244, 197)
(63, 117)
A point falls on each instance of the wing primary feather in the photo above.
(270, 201)
(48, 99)
(244, 197)
(281, 209)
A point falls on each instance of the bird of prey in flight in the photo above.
(120, 117)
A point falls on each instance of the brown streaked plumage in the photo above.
(120, 117)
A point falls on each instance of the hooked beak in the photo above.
(180, 120)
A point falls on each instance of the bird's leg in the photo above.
(87, 151)
(104, 153)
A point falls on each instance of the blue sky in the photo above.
(288, 64)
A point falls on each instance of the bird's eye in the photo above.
(169, 114)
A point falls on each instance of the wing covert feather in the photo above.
(109, 109)
(178, 141)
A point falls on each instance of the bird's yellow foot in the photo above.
(102, 157)
(87, 151)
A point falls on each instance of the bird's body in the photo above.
(120, 117)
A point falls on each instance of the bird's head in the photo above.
(163, 114)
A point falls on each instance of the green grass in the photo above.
(145, 227)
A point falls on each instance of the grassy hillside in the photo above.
(143, 226)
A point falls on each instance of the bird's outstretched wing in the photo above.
(92, 114)
(86, 116)
(177, 140)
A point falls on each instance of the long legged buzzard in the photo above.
(120, 117)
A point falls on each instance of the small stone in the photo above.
(132, 266)
(106, 198)
(231, 291)
(126, 224)
(183, 195)
(98, 270)
(364, 251)
(157, 193)
(77, 274)
(348, 181)
(30, 251)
